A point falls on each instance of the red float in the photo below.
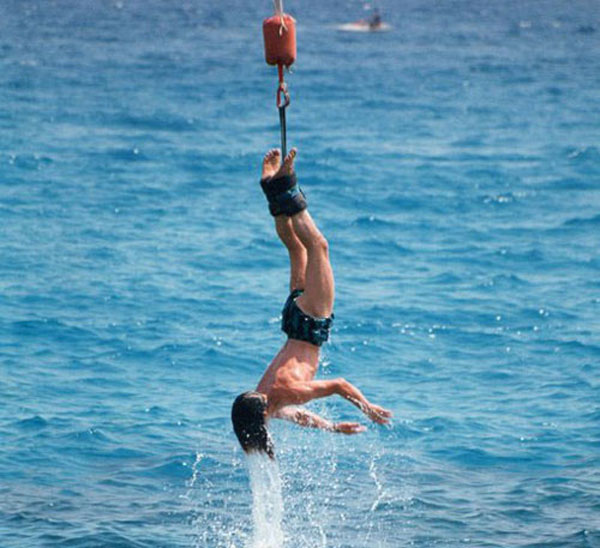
(279, 32)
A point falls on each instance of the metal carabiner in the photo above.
(282, 90)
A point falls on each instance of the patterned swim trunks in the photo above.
(300, 326)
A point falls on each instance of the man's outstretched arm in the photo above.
(304, 392)
(303, 417)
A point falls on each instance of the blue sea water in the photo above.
(454, 165)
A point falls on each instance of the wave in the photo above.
(51, 327)
(162, 121)
(33, 423)
(583, 155)
(474, 456)
(571, 183)
(584, 538)
(583, 221)
(108, 538)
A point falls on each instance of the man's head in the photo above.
(248, 415)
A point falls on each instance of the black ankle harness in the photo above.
(284, 195)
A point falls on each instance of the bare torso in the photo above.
(297, 362)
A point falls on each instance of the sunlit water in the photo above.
(454, 165)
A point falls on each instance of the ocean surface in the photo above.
(453, 164)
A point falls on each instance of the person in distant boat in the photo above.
(375, 20)
(288, 381)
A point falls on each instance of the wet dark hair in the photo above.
(249, 424)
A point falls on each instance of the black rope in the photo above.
(283, 130)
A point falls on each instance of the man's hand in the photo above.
(375, 412)
(378, 414)
(349, 428)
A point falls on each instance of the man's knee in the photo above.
(320, 244)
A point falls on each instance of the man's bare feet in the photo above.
(271, 163)
(287, 168)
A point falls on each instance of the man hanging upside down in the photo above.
(289, 381)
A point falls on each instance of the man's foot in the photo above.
(271, 163)
(287, 168)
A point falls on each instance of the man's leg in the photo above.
(297, 252)
(285, 231)
(319, 291)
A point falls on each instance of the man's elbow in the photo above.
(341, 386)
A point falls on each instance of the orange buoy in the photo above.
(279, 32)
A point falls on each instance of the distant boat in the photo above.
(372, 24)
(363, 26)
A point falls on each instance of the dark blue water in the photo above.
(454, 165)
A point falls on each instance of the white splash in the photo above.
(267, 503)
